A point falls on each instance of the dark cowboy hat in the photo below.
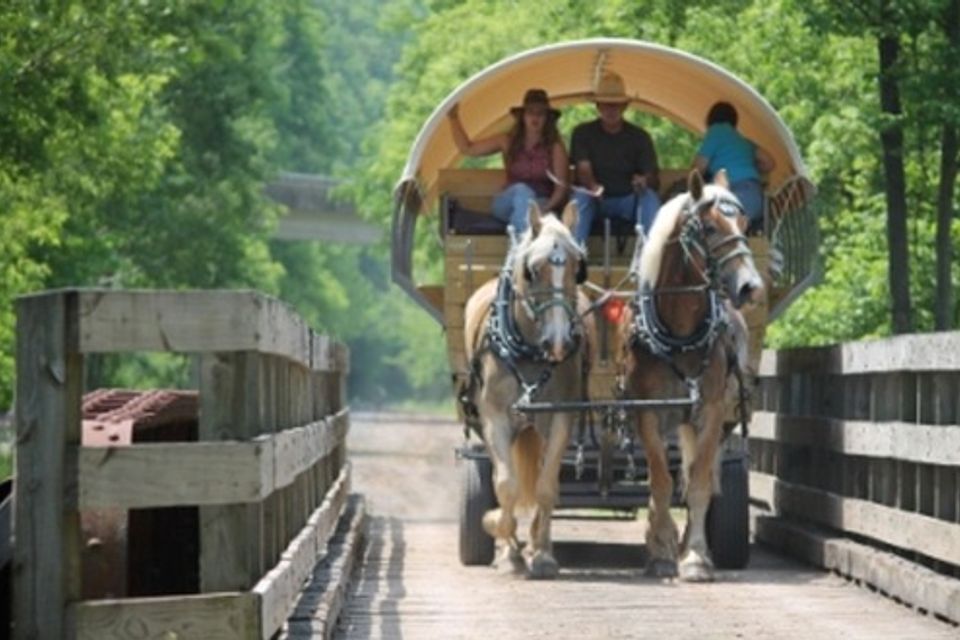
(535, 97)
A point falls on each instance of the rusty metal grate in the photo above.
(139, 552)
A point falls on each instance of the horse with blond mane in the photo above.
(526, 338)
(680, 340)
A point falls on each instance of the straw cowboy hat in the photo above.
(535, 97)
(610, 90)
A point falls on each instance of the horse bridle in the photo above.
(693, 239)
(503, 337)
(555, 296)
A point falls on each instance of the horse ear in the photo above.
(695, 184)
(570, 215)
(722, 179)
(534, 217)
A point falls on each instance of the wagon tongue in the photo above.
(603, 405)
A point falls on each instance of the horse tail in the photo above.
(526, 452)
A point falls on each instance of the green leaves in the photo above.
(137, 140)
(816, 63)
(137, 137)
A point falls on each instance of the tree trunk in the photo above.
(891, 138)
(943, 307)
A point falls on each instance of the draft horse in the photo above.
(527, 338)
(681, 340)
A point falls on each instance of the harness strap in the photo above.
(649, 331)
(503, 339)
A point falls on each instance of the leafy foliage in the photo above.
(829, 101)
(138, 137)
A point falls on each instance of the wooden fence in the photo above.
(856, 451)
(269, 473)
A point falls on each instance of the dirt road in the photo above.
(412, 585)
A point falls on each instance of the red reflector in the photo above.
(613, 310)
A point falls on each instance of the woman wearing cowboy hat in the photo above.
(615, 161)
(532, 151)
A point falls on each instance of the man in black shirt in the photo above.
(615, 163)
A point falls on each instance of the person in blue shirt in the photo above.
(723, 147)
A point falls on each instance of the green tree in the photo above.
(138, 137)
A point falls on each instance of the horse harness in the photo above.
(650, 333)
(504, 340)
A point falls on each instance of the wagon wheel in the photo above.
(728, 520)
(476, 498)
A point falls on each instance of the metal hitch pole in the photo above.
(616, 405)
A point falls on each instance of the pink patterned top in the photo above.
(530, 167)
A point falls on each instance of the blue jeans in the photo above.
(511, 205)
(750, 194)
(630, 207)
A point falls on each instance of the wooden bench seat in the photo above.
(467, 201)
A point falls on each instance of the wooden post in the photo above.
(231, 408)
(271, 543)
(46, 559)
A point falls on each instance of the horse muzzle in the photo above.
(747, 293)
(743, 286)
(556, 351)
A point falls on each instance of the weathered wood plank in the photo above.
(279, 588)
(173, 474)
(461, 284)
(901, 440)
(320, 604)
(215, 616)
(191, 322)
(912, 531)
(914, 352)
(46, 559)
(895, 576)
(232, 407)
(298, 449)
(493, 247)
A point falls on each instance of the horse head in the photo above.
(714, 221)
(549, 265)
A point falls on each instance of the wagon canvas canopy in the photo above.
(659, 80)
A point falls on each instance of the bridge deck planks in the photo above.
(411, 584)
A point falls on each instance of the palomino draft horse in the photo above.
(525, 336)
(680, 340)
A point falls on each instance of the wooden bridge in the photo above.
(855, 469)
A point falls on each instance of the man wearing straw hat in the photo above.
(615, 163)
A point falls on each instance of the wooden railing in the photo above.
(856, 451)
(269, 473)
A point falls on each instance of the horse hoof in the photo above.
(661, 568)
(543, 566)
(696, 570)
(510, 561)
